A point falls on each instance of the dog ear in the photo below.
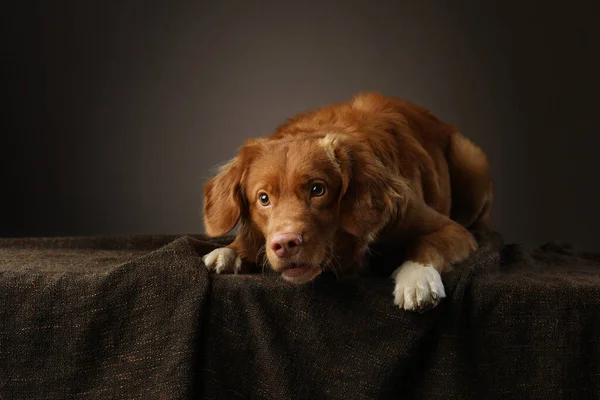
(371, 194)
(338, 154)
(223, 199)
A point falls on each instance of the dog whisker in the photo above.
(332, 262)
(262, 255)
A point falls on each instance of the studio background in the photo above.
(115, 113)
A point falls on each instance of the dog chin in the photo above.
(300, 273)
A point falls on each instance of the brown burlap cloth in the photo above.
(140, 318)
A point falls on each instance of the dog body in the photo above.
(331, 182)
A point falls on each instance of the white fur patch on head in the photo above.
(418, 287)
(329, 143)
(223, 260)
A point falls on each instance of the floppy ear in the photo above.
(340, 157)
(371, 194)
(223, 200)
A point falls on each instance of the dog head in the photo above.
(307, 197)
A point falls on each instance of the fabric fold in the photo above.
(125, 327)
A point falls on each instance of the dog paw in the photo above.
(223, 260)
(418, 287)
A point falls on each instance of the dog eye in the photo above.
(263, 199)
(317, 190)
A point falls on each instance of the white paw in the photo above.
(418, 287)
(223, 260)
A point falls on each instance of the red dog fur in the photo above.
(335, 180)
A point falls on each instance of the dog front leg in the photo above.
(237, 256)
(435, 243)
(224, 259)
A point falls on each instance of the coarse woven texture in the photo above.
(140, 317)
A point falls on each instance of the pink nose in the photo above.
(286, 244)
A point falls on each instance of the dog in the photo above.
(331, 182)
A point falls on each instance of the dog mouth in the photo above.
(300, 273)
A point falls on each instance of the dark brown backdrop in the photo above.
(115, 112)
